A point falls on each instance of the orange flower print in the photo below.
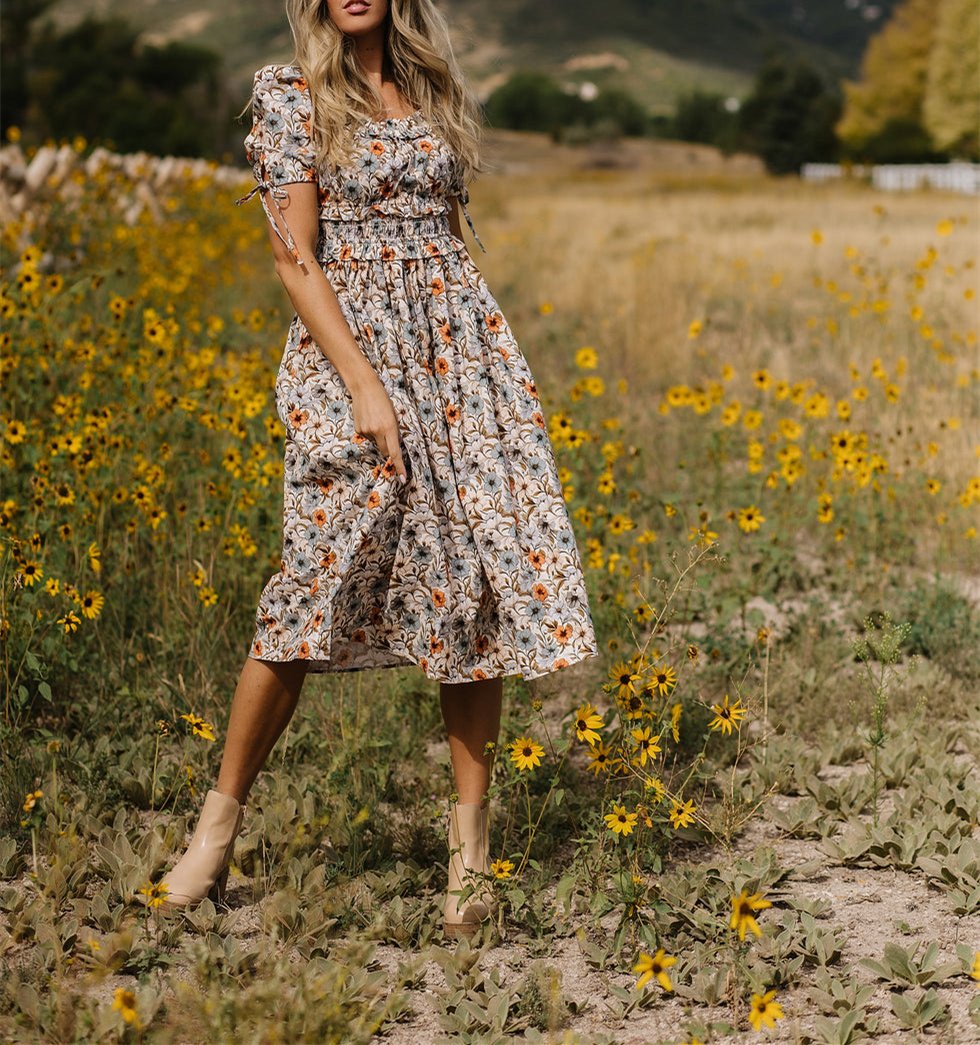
(425, 145)
(298, 417)
(478, 673)
(562, 633)
(358, 635)
(446, 333)
(538, 418)
(374, 499)
(435, 645)
(438, 598)
(257, 647)
(539, 591)
(387, 253)
(328, 559)
(494, 322)
(345, 252)
(452, 413)
(377, 148)
(536, 559)
(320, 517)
(303, 650)
(442, 366)
(531, 388)
(437, 286)
(482, 644)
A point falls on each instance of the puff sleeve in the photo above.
(279, 146)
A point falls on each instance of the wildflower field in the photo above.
(755, 816)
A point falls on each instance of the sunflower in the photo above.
(727, 714)
(587, 721)
(654, 965)
(619, 821)
(764, 1010)
(647, 744)
(743, 908)
(681, 815)
(663, 679)
(526, 753)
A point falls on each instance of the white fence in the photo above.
(895, 177)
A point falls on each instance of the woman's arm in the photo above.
(317, 306)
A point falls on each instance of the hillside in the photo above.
(655, 48)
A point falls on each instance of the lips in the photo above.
(356, 6)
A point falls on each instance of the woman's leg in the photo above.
(264, 702)
(471, 711)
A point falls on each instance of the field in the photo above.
(754, 816)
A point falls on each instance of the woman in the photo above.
(424, 521)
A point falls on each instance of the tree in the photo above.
(951, 106)
(890, 91)
(789, 117)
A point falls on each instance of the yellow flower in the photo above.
(726, 715)
(92, 603)
(764, 1010)
(587, 721)
(501, 868)
(125, 1001)
(601, 762)
(816, 236)
(648, 744)
(155, 893)
(526, 753)
(654, 965)
(681, 814)
(586, 358)
(761, 379)
(944, 227)
(624, 676)
(695, 328)
(743, 907)
(975, 971)
(750, 519)
(663, 678)
(619, 821)
(199, 727)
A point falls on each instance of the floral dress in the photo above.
(468, 567)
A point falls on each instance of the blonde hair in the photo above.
(423, 66)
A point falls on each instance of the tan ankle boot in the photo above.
(469, 844)
(203, 869)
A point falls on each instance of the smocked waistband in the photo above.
(387, 238)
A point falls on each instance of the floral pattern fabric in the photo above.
(469, 567)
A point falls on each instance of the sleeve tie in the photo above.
(464, 198)
(275, 192)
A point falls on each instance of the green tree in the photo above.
(883, 108)
(789, 117)
(701, 116)
(951, 105)
(95, 80)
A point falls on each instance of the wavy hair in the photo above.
(423, 66)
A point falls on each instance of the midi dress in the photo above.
(468, 568)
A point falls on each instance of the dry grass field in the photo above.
(763, 397)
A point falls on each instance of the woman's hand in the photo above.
(374, 416)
